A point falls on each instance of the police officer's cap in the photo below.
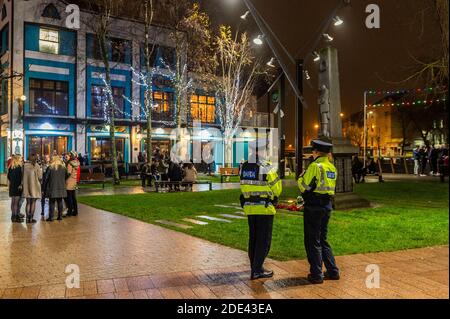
(321, 146)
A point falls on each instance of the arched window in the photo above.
(50, 11)
(4, 13)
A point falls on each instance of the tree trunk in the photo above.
(149, 77)
(110, 110)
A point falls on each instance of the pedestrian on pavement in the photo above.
(32, 191)
(434, 156)
(357, 170)
(44, 166)
(260, 187)
(73, 172)
(190, 174)
(55, 187)
(423, 160)
(317, 185)
(15, 174)
(416, 157)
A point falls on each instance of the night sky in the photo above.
(368, 58)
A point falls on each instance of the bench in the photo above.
(159, 184)
(227, 172)
(91, 177)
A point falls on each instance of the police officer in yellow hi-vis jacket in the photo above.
(317, 185)
(261, 187)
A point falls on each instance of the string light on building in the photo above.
(408, 91)
(410, 103)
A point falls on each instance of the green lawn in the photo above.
(407, 215)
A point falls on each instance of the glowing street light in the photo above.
(271, 63)
(316, 56)
(23, 98)
(328, 37)
(338, 21)
(245, 15)
(316, 126)
(258, 40)
(341, 115)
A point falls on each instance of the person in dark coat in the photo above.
(55, 187)
(357, 170)
(15, 175)
(175, 175)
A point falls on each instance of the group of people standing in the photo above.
(55, 178)
(163, 169)
(435, 157)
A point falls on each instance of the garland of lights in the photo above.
(409, 103)
(405, 91)
(179, 83)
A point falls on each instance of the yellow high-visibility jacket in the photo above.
(320, 177)
(260, 187)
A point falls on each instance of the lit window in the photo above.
(203, 108)
(48, 41)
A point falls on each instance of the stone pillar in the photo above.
(331, 128)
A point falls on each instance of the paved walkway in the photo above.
(120, 257)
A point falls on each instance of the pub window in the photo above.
(49, 97)
(47, 145)
(101, 149)
(48, 40)
(99, 101)
(203, 108)
(163, 100)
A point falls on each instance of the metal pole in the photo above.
(281, 153)
(299, 120)
(365, 119)
(260, 25)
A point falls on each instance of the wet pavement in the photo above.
(119, 257)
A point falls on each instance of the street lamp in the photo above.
(316, 56)
(328, 37)
(338, 21)
(271, 63)
(245, 15)
(258, 40)
(23, 98)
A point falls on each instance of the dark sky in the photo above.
(368, 58)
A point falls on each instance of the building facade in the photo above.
(53, 93)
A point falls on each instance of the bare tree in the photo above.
(100, 22)
(356, 135)
(237, 76)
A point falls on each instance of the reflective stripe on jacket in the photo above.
(320, 177)
(260, 185)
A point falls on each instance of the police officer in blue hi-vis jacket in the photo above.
(317, 185)
(260, 187)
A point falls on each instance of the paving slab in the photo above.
(169, 223)
(232, 216)
(194, 221)
(215, 219)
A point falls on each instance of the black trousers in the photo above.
(318, 250)
(53, 202)
(260, 238)
(72, 205)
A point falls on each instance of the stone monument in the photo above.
(331, 129)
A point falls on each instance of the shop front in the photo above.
(50, 139)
